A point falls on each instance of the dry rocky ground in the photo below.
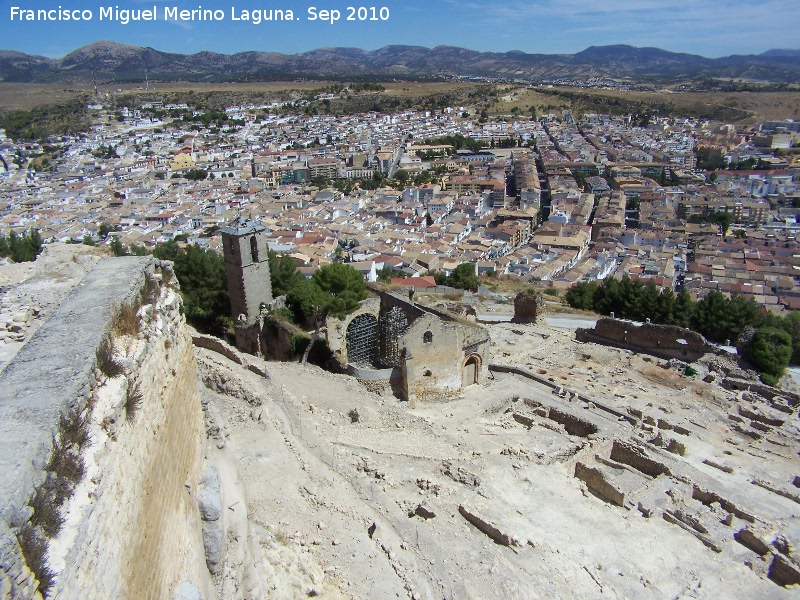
(352, 494)
(684, 489)
(31, 291)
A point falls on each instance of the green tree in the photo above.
(647, 302)
(665, 307)
(769, 351)
(721, 218)
(710, 159)
(283, 273)
(581, 295)
(721, 319)
(21, 247)
(684, 309)
(334, 289)
(117, 247)
(791, 324)
(463, 277)
(104, 229)
(196, 174)
(607, 297)
(204, 285)
(319, 181)
(629, 297)
(401, 176)
(385, 274)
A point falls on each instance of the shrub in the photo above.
(770, 350)
(125, 321)
(34, 549)
(67, 464)
(133, 400)
(45, 502)
(150, 290)
(106, 362)
(354, 416)
(73, 430)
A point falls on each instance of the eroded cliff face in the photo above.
(107, 386)
(137, 531)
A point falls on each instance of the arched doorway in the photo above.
(471, 371)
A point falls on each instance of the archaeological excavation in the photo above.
(447, 459)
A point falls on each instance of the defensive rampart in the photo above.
(127, 525)
(663, 341)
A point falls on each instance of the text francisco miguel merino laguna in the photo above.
(123, 16)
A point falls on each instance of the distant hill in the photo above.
(121, 62)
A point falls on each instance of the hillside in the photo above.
(110, 60)
(573, 469)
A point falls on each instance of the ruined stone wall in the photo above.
(336, 332)
(131, 527)
(663, 341)
(437, 363)
(389, 300)
(439, 345)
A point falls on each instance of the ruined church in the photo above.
(418, 353)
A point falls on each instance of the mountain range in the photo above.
(111, 60)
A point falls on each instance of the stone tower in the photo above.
(247, 270)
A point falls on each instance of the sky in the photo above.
(711, 28)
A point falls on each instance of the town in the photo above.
(552, 199)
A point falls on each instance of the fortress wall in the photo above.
(132, 526)
(663, 341)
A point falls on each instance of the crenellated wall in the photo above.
(131, 526)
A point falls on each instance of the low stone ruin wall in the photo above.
(664, 341)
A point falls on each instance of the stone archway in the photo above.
(471, 370)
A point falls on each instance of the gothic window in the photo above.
(254, 248)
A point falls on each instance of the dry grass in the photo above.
(410, 89)
(761, 105)
(282, 537)
(34, 549)
(25, 96)
(125, 321)
(766, 105)
(133, 400)
(106, 362)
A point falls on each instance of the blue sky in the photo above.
(708, 27)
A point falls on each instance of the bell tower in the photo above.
(247, 270)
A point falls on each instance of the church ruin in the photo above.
(420, 352)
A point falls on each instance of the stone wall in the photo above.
(663, 341)
(131, 527)
(436, 345)
(276, 339)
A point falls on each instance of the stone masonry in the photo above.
(132, 525)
